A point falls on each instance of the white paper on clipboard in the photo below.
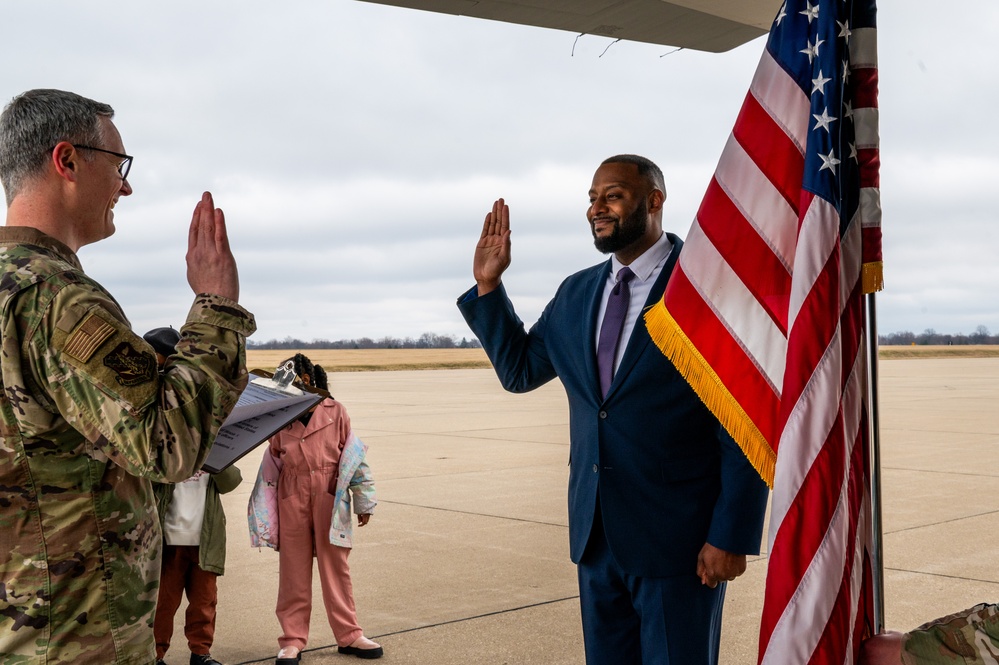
(263, 408)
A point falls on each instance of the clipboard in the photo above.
(268, 404)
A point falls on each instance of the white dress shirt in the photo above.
(646, 268)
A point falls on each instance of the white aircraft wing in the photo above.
(704, 25)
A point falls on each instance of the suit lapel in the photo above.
(640, 338)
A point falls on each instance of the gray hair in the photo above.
(34, 122)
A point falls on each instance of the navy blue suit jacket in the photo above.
(667, 475)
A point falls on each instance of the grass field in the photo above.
(963, 351)
(368, 360)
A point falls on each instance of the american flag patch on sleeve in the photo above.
(87, 338)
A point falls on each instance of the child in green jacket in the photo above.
(193, 526)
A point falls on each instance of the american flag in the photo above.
(764, 316)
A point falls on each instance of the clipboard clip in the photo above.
(284, 374)
(281, 379)
(284, 379)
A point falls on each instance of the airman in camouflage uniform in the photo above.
(970, 637)
(86, 420)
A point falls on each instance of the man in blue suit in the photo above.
(663, 505)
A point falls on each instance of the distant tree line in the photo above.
(931, 337)
(424, 341)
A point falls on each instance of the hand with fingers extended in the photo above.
(211, 267)
(492, 253)
(715, 565)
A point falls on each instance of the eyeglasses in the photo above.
(123, 166)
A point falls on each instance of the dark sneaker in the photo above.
(367, 654)
(203, 660)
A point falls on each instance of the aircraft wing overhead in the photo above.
(704, 25)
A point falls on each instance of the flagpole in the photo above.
(874, 429)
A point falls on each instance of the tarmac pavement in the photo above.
(466, 558)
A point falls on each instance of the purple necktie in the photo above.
(610, 330)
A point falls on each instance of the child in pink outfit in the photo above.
(319, 460)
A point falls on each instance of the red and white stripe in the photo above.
(817, 604)
(770, 295)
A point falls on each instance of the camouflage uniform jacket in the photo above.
(86, 422)
(970, 637)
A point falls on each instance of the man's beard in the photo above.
(625, 233)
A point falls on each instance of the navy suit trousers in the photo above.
(634, 620)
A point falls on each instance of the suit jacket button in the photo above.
(602, 414)
(594, 468)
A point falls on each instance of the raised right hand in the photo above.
(492, 253)
(211, 267)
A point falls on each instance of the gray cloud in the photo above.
(356, 148)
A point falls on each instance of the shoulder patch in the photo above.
(131, 367)
(85, 341)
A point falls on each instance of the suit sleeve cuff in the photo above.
(469, 295)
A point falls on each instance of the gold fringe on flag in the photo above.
(872, 277)
(676, 346)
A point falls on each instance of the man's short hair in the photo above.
(646, 168)
(34, 122)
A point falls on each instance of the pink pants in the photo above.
(304, 519)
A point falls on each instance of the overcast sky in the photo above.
(356, 148)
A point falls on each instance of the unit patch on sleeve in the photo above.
(131, 367)
(93, 332)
